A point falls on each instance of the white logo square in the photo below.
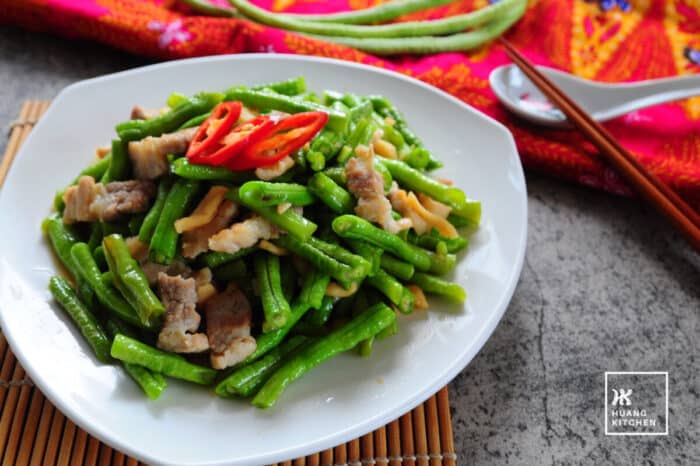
(636, 403)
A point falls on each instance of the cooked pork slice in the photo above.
(151, 270)
(196, 241)
(88, 201)
(367, 185)
(122, 197)
(181, 320)
(141, 113)
(148, 156)
(243, 235)
(423, 220)
(228, 317)
(78, 199)
(275, 170)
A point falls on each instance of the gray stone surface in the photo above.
(607, 286)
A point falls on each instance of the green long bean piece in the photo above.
(164, 241)
(106, 295)
(134, 352)
(130, 280)
(295, 224)
(264, 194)
(431, 240)
(231, 271)
(82, 317)
(360, 265)
(192, 171)
(317, 317)
(449, 25)
(152, 383)
(148, 227)
(214, 259)
(134, 130)
(195, 121)
(372, 253)
(338, 199)
(436, 285)
(353, 227)
(392, 289)
(264, 99)
(365, 325)
(62, 238)
(314, 288)
(399, 268)
(267, 341)
(414, 180)
(120, 165)
(275, 306)
(290, 87)
(248, 379)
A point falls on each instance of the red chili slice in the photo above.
(286, 136)
(214, 128)
(232, 144)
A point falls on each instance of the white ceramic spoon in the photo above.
(602, 101)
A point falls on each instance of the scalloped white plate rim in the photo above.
(350, 431)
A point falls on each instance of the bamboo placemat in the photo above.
(33, 432)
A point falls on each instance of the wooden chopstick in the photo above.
(649, 186)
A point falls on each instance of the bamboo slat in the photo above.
(33, 432)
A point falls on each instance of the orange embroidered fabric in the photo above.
(605, 40)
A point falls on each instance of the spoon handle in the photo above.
(625, 98)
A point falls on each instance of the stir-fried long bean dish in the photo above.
(238, 239)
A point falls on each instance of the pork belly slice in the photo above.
(367, 184)
(243, 235)
(149, 155)
(88, 201)
(196, 241)
(228, 317)
(181, 321)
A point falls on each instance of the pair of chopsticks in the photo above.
(649, 186)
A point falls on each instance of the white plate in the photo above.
(337, 401)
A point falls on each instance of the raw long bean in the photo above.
(433, 44)
(450, 25)
(376, 14)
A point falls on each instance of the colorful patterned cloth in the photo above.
(606, 40)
